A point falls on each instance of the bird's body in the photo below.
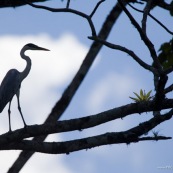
(11, 83)
(6, 93)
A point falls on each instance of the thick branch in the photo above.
(127, 137)
(77, 145)
(86, 122)
(16, 3)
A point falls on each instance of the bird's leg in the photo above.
(9, 118)
(19, 108)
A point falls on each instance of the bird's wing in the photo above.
(9, 87)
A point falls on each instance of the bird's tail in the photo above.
(1, 105)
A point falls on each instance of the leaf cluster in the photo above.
(142, 96)
(166, 54)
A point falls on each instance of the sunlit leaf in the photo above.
(142, 96)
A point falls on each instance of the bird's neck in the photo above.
(27, 69)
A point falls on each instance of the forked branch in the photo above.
(69, 10)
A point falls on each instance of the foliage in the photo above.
(142, 96)
(166, 54)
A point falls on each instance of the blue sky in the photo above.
(112, 79)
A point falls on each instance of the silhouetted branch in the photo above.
(129, 52)
(147, 42)
(168, 89)
(129, 136)
(68, 4)
(96, 7)
(145, 14)
(68, 10)
(163, 4)
(80, 144)
(160, 94)
(156, 20)
(16, 3)
(91, 121)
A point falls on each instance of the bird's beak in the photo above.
(41, 48)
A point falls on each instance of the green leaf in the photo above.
(137, 95)
(148, 94)
(142, 96)
(141, 93)
(166, 54)
(135, 99)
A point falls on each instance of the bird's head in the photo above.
(31, 46)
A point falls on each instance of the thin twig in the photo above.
(129, 52)
(156, 20)
(68, 4)
(96, 7)
(67, 10)
(145, 39)
(168, 89)
(145, 14)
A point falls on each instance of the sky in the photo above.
(113, 77)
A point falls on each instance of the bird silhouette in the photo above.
(11, 83)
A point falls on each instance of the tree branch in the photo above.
(86, 122)
(162, 4)
(168, 89)
(145, 39)
(145, 14)
(96, 7)
(156, 20)
(68, 4)
(66, 10)
(16, 3)
(129, 52)
(77, 145)
(129, 136)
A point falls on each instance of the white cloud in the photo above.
(112, 86)
(40, 90)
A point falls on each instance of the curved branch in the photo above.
(86, 122)
(96, 7)
(145, 15)
(129, 52)
(145, 39)
(77, 145)
(67, 10)
(129, 136)
(156, 20)
(68, 4)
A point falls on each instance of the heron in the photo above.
(11, 83)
